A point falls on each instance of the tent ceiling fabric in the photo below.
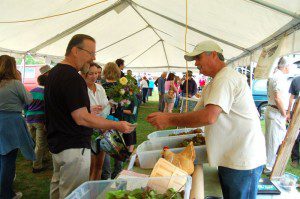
(147, 34)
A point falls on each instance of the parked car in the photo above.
(31, 74)
(260, 96)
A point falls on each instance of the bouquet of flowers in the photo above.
(123, 92)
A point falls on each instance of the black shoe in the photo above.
(38, 170)
(294, 164)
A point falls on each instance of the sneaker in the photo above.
(294, 164)
(38, 170)
(18, 195)
(266, 171)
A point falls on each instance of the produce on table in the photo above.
(197, 141)
(187, 133)
(143, 193)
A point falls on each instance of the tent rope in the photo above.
(52, 16)
(186, 64)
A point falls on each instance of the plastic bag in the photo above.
(113, 144)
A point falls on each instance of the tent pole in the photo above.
(162, 42)
(75, 27)
(24, 65)
(123, 38)
(251, 73)
(276, 8)
(143, 52)
(191, 28)
(130, 3)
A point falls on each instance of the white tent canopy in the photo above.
(149, 34)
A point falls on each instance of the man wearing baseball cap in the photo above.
(234, 139)
(44, 70)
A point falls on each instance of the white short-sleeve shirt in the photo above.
(99, 97)
(144, 84)
(235, 140)
(278, 84)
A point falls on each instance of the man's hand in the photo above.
(124, 127)
(288, 117)
(159, 120)
(97, 109)
(283, 114)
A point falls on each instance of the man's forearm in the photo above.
(280, 106)
(97, 122)
(191, 119)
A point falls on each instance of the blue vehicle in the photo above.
(260, 96)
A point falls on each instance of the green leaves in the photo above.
(143, 193)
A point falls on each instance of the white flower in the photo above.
(127, 102)
(122, 91)
(123, 80)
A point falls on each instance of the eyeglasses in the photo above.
(93, 54)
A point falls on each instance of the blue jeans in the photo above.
(239, 184)
(176, 101)
(145, 94)
(7, 174)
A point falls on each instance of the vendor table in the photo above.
(206, 183)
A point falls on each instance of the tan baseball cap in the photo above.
(205, 46)
(45, 69)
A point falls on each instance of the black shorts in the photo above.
(130, 138)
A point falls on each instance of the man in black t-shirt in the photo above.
(294, 91)
(69, 122)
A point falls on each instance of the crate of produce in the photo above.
(133, 187)
(150, 151)
(184, 132)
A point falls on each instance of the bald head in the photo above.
(283, 65)
(164, 75)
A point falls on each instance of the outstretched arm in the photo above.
(203, 117)
(83, 118)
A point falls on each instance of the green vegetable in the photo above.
(144, 193)
(117, 194)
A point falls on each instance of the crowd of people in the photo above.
(71, 100)
(171, 88)
(60, 115)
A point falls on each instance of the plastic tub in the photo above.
(166, 133)
(98, 189)
(288, 181)
(150, 151)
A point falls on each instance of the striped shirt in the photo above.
(36, 110)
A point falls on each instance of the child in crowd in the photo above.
(130, 115)
(169, 101)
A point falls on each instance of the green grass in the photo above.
(288, 168)
(37, 185)
(32, 185)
